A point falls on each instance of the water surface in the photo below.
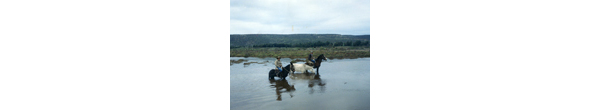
(342, 84)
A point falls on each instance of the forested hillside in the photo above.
(249, 40)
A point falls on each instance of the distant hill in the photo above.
(257, 39)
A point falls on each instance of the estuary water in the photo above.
(341, 84)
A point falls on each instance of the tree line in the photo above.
(248, 40)
(316, 44)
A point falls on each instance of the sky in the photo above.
(347, 17)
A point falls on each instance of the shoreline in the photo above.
(245, 62)
(302, 53)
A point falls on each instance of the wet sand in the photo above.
(341, 84)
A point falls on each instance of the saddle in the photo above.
(309, 63)
(276, 71)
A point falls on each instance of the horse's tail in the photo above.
(272, 74)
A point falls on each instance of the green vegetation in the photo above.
(249, 40)
(314, 44)
(296, 52)
(299, 45)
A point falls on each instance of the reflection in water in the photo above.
(251, 89)
(317, 80)
(314, 79)
(279, 85)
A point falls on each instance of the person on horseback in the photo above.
(278, 63)
(310, 57)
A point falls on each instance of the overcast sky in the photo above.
(348, 17)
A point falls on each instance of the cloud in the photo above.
(299, 16)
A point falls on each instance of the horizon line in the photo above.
(301, 33)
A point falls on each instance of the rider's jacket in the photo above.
(277, 63)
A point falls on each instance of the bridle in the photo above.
(323, 57)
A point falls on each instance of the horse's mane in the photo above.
(285, 71)
(288, 67)
(321, 56)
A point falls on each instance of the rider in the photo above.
(310, 57)
(278, 63)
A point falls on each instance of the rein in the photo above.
(283, 68)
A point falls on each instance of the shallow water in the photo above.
(342, 84)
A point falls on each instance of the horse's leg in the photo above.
(317, 70)
(307, 69)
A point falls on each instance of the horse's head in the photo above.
(288, 67)
(292, 66)
(322, 57)
(286, 70)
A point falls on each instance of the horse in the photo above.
(304, 66)
(284, 73)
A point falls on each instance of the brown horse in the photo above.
(318, 61)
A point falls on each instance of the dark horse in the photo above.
(283, 73)
(318, 62)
